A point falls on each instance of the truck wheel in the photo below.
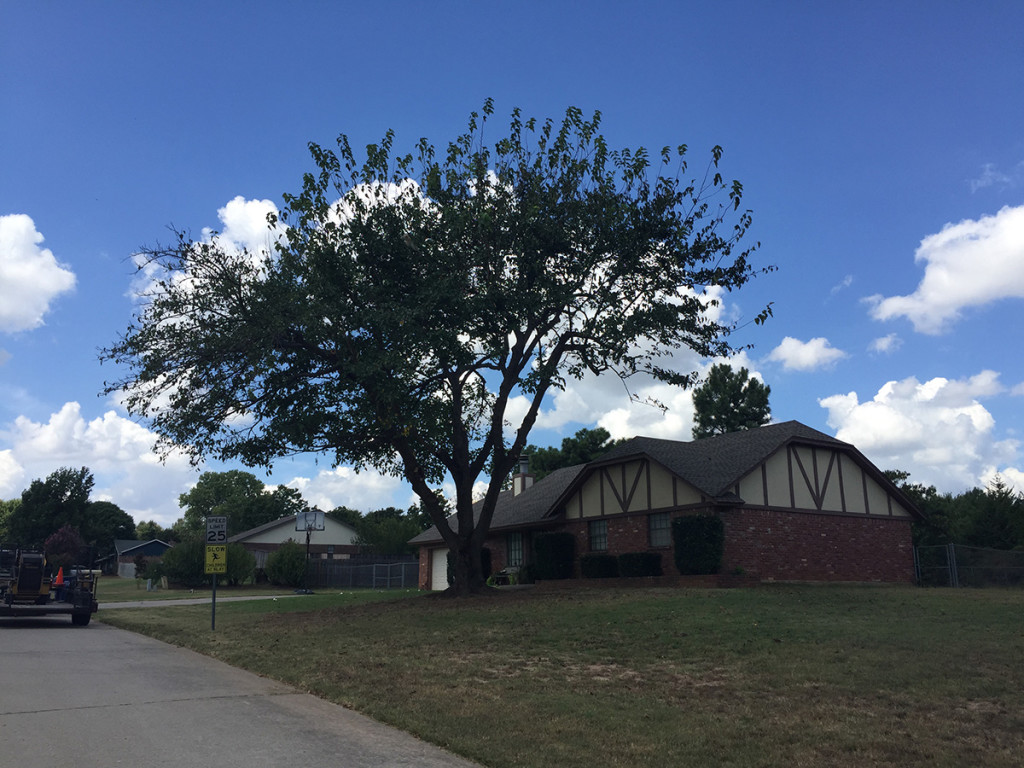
(80, 619)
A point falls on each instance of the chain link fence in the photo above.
(338, 573)
(954, 565)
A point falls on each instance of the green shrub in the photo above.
(241, 565)
(526, 574)
(185, 562)
(699, 544)
(553, 554)
(286, 566)
(599, 566)
(640, 564)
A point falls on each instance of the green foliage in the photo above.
(640, 564)
(287, 565)
(729, 401)
(553, 555)
(241, 565)
(992, 517)
(583, 447)
(392, 327)
(48, 505)
(699, 544)
(64, 548)
(387, 531)
(346, 515)
(141, 566)
(238, 495)
(6, 510)
(150, 529)
(598, 565)
(104, 522)
(62, 499)
(185, 562)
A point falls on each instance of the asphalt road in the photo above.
(97, 697)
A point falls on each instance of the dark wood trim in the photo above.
(842, 483)
(864, 489)
(764, 481)
(636, 484)
(828, 476)
(650, 490)
(789, 465)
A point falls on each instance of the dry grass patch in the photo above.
(801, 676)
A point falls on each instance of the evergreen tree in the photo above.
(729, 401)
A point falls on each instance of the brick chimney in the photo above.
(523, 479)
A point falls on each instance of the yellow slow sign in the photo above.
(216, 558)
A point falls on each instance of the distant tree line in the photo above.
(991, 517)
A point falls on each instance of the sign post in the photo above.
(216, 557)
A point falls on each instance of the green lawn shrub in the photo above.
(287, 565)
(640, 564)
(553, 555)
(699, 544)
(596, 565)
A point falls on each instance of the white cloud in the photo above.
(845, 283)
(796, 355)
(885, 345)
(244, 225)
(936, 430)
(344, 487)
(991, 176)
(118, 452)
(30, 276)
(968, 264)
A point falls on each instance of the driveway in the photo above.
(97, 697)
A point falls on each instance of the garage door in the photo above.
(439, 569)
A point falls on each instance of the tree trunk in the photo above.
(467, 569)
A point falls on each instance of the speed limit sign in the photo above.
(216, 530)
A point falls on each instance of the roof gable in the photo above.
(286, 522)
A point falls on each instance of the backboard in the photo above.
(311, 520)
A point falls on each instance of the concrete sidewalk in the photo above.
(192, 601)
(94, 697)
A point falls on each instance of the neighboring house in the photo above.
(336, 541)
(797, 505)
(126, 551)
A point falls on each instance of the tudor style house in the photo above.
(796, 504)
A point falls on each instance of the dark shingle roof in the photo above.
(529, 506)
(713, 465)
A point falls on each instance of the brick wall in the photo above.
(767, 545)
(783, 546)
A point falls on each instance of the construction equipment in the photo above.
(27, 589)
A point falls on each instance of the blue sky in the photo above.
(881, 148)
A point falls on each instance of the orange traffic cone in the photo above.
(59, 581)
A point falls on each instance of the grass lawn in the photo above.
(768, 676)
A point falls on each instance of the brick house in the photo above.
(796, 504)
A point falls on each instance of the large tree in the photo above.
(238, 495)
(409, 299)
(728, 401)
(62, 499)
(48, 505)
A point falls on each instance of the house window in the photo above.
(659, 529)
(598, 530)
(515, 549)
